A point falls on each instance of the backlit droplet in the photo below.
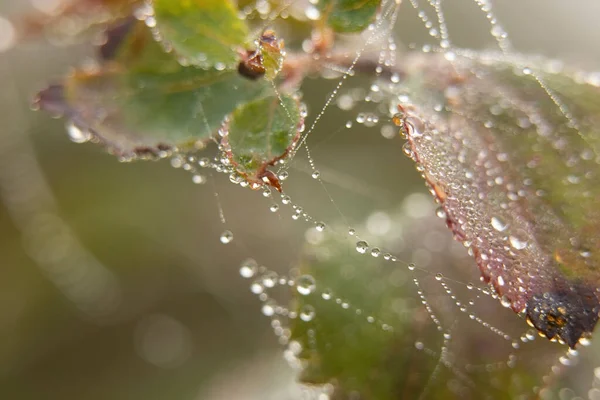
(320, 226)
(411, 266)
(498, 224)
(517, 243)
(326, 295)
(375, 252)
(439, 276)
(226, 237)
(305, 285)
(505, 301)
(316, 175)
(248, 268)
(362, 246)
(268, 308)
(307, 313)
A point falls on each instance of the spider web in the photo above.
(347, 183)
(346, 192)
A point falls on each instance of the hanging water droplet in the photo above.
(316, 175)
(305, 285)
(283, 175)
(320, 226)
(411, 266)
(439, 276)
(351, 232)
(375, 252)
(76, 134)
(274, 207)
(307, 313)
(498, 224)
(505, 301)
(362, 246)
(226, 237)
(286, 200)
(248, 268)
(268, 308)
(440, 212)
(269, 279)
(326, 295)
(199, 179)
(349, 124)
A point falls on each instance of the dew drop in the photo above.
(375, 252)
(268, 308)
(320, 226)
(316, 175)
(362, 246)
(199, 179)
(307, 313)
(305, 285)
(411, 266)
(440, 212)
(226, 237)
(498, 224)
(274, 208)
(505, 301)
(351, 232)
(517, 243)
(439, 276)
(326, 295)
(248, 268)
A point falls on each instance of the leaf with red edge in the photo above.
(510, 152)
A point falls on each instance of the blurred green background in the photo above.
(113, 282)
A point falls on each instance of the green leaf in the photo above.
(519, 179)
(347, 16)
(363, 327)
(262, 132)
(207, 33)
(143, 101)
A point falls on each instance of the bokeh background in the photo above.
(113, 281)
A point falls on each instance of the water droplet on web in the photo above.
(199, 179)
(375, 252)
(351, 232)
(307, 313)
(248, 268)
(286, 200)
(411, 266)
(320, 226)
(505, 301)
(326, 295)
(316, 175)
(226, 237)
(362, 246)
(349, 124)
(439, 276)
(257, 287)
(498, 224)
(268, 308)
(305, 285)
(269, 279)
(274, 208)
(283, 175)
